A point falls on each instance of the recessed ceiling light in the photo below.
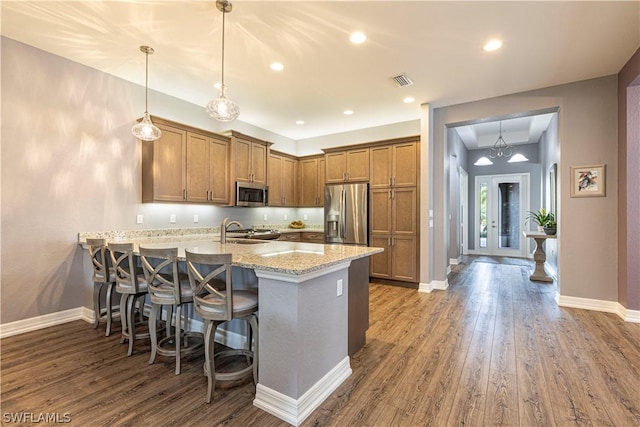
(348, 112)
(492, 45)
(408, 100)
(299, 122)
(358, 37)
(276, 66)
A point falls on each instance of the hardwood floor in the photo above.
(494, 349)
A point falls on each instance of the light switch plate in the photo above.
(172, 218)
(305, 217)
(139, 219)
(195, 218)
(286, 217)
(339, 288)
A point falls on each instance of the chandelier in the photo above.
(145, 130)
(222, 108)
(500, 148)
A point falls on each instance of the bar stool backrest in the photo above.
(98, 254)
(124, 264)
(210, 279)
(160, 268)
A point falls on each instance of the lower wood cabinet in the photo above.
(290, 237)
(399, 260)
(312, 237)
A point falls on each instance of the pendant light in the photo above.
(145, 130)
(222, 108)
(500, 148)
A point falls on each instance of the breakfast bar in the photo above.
(303, 291)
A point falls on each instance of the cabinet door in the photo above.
(380, 263)
(321, 181)
(405, 165)
(403, 252)
(403, 215)
(308, 182)
(381, 161)
(336, 167)
(259, 163)
(197, 168)
(380, 209)
(289, 172)
(242, 160)
(219, 172)
(358, 165)
(169, 165)
(275, 180)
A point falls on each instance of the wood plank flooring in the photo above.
(494, 349)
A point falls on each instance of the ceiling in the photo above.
(437, 44)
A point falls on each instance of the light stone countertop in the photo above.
(294, 258)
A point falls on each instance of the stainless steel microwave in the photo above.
(251, 194)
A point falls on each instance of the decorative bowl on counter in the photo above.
(296, 225)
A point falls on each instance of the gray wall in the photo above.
(587, 134)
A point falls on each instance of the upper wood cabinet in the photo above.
(350, 165)
(311, 172)
(185, 165)
(248, 158)
(207, 169)
(394, 165)
(282, 179)
(164, 166)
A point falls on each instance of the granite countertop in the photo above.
(292, 258)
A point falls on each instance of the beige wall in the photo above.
(629, 176)
(587, 134)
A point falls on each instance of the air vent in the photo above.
(402, 80)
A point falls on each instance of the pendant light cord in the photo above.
(146, 83)
(224, 12)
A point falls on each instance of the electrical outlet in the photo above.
(305, 217)
(286, 217)
(339, 287)
(139, 219)
(264, 217)
(195, 218)
(172, 218)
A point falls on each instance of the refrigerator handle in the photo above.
(343, 216)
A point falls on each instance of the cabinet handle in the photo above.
(393, 194)
(388, 241)
(389, 194)
(394, 181)
(390, 181)
(184, 194)
(348, 176)
(393, 241)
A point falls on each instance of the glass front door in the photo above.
(501, 202)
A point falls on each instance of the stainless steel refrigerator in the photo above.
(345, 213)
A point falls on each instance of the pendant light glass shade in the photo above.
(483, 161)
(517, 158)
(145, 130)
(222, 108)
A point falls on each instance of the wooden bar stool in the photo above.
(103, 278)
(132, 287)
(168, 287)
(216, 302)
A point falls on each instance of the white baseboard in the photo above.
(230, 339)
(295, 411)
(44, 321)
(615, 307)
(434, 285)
(455, 261)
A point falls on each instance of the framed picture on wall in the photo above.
(588, 181)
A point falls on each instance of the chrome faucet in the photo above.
(225, 226)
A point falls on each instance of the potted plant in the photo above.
(542, 218)
(550, 227)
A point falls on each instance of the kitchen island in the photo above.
(303, 317)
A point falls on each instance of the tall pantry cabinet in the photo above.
(394, 226)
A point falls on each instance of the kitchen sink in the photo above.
(246, 241)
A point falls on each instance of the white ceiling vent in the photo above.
(402, 80)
